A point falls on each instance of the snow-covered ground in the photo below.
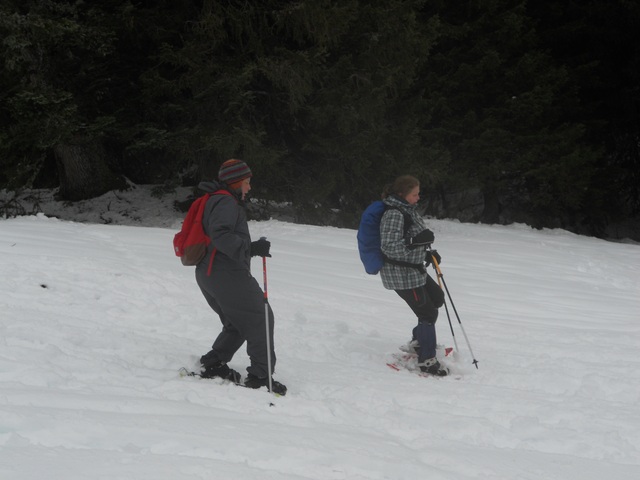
(96, 320)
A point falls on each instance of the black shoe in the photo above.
(433, 367)
(221, 370)
(255, 382)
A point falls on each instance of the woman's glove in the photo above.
(428, 259)
(425, 237)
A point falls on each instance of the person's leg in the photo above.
(241, 303)
(435, 293)
(425, 301)
(228, 341)
(425, 332)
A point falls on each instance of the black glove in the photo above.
(428, 259)
(260, 248)
(425, 237)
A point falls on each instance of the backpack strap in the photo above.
(406, 225)
(222, 191)
(213, 255)
(408, 221)
(400, 263)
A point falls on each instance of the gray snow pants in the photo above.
(239, 302)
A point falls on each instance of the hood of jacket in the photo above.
(210, 186)
(395, 201)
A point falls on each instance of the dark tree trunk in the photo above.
(83, 170)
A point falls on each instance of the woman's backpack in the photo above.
(369, 243)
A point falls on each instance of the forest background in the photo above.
(508, 111)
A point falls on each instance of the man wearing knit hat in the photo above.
(225, 279)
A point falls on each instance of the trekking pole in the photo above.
(266, 318)
(446, 309)
(441, 276)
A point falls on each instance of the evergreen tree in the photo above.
(55, 73)
(599, 43)
(363, 120)
(497, 106)
(312, 94)
(535, 105)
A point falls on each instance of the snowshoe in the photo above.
(256, 382)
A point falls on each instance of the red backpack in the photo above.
(190, 243)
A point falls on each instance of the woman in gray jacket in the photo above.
(224, 277)
(404, 248)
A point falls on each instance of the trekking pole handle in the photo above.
(434, 261)
(435, 264)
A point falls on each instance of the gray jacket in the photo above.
(225, 222)
(396, 277)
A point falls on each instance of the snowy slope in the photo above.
(95, 321)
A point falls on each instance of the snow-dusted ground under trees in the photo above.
(96, 320)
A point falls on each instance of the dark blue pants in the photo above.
(425, 302)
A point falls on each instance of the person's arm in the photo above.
(221, 227)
